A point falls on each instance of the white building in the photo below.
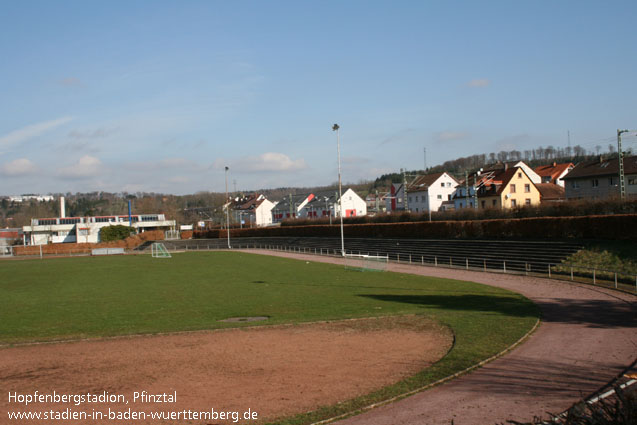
(326, 204)
(253, 210)
(23, 198)
(427, 193)
(87, 229)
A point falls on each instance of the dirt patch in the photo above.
(274, 371)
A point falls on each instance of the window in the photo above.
(484, 204)
(611, 181)
(527, 201)
(514, 203)
(442, 184)
(512, 188)
(632, 181)
(575, 184)
(410, 199)
(439, 196)
(493, 202)
(527, 188)
(519, 175)
(595, 183)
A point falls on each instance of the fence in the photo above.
(607, 278)
(599, 277)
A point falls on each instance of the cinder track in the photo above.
(587, 338)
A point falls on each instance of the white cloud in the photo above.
(18, 167)
(86, 166)
(479, 82)
(446, 136)
(266, 162)
(31, 131)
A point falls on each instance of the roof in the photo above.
(602, 167)
(550, 191)
(250, 202)
(423, 182)
(284, 204)
(552, 170)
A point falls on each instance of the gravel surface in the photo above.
(588, 337)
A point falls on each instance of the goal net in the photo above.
(366, 263)
(158, 250)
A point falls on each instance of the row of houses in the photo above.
(256, 210)
(511, 185)
(502, 185)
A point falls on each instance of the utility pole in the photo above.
(425, 150)
(335, 128)
(622, 186)
(466, 183)
(405, 190)
(227, 210)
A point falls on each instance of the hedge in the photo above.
(610, 227)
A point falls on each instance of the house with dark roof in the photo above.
(554, 173)
(252, 210)
(599, 179)
(289, 207)
(550, 192)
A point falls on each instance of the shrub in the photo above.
(115, 233)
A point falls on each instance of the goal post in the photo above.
(158, 250)
(366, 263)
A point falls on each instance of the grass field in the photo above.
(72, 298)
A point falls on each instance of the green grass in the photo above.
(106, 296)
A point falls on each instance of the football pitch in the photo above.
(95, 297)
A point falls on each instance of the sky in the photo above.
(158, 96)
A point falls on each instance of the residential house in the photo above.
(395, 201)
(503, 187)
(252, 210)
(550, 192)
(427, 193)
(289, 207)
(554, 173)
(599, 179)
(327, 204)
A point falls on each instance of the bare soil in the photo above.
(272, 370)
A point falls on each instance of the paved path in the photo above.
(588, 336)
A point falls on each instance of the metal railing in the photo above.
(567, 272)
(589, 275)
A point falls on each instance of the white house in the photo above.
(253, 210)
(427, 193)
(326, 204)
(289, 207)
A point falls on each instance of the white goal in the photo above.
(366, 263)
(158, 250)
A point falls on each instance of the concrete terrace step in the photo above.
(488, 253)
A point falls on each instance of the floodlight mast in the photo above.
(335, 128)
(227, 210)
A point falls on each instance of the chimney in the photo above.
(62, 210)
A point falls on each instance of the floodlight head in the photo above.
(335, 127)
(227, 168)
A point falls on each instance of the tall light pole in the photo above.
(335, 128)
(227, 209)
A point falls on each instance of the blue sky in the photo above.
(161, 96)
